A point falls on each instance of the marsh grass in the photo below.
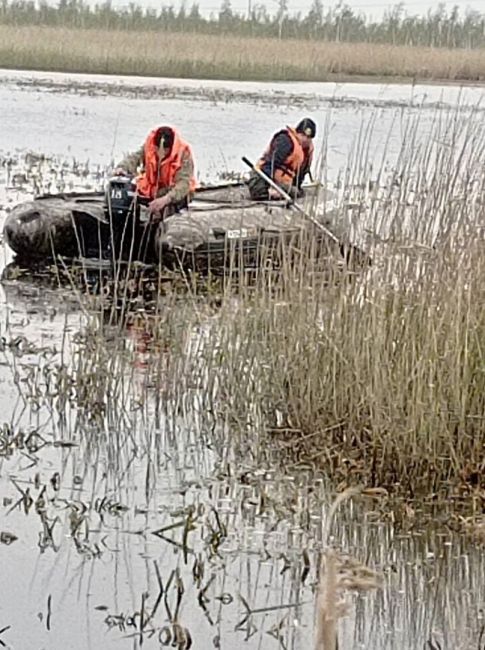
(229, 57)
(373, 374)
(376, 376)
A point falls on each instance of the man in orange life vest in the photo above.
(167, 175)
(286, 161)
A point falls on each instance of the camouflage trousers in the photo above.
(259, 188)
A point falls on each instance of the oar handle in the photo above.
(290, 200)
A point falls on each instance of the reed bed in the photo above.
(380, 382)
(228, 57)
(374, 375)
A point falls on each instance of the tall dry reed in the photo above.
(379, 375)
(205, 56)
(375, 376)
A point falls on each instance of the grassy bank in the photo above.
(221, 57)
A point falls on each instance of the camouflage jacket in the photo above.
(133, 162)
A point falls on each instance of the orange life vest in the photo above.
(293, 163)
(162, 174)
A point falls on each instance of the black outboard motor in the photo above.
(120, 196)
(125, 212)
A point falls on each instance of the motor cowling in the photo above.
(127, 217)
(120, 196)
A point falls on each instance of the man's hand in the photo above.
(274, 194)
(157, 206)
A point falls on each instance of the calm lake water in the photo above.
(100, 509)
(100, 118)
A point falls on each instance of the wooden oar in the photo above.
(291, 201)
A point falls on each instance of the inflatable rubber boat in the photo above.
(221, 227)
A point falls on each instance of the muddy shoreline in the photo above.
(216, 92)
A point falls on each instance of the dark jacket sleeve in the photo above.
(281, 148)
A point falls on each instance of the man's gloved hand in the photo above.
(157, 206)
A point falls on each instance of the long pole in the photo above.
(290, 200)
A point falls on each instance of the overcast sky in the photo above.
(374, 9)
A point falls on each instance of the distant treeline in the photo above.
(438, 28)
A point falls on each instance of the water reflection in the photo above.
(135, 530)
(139, 549)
